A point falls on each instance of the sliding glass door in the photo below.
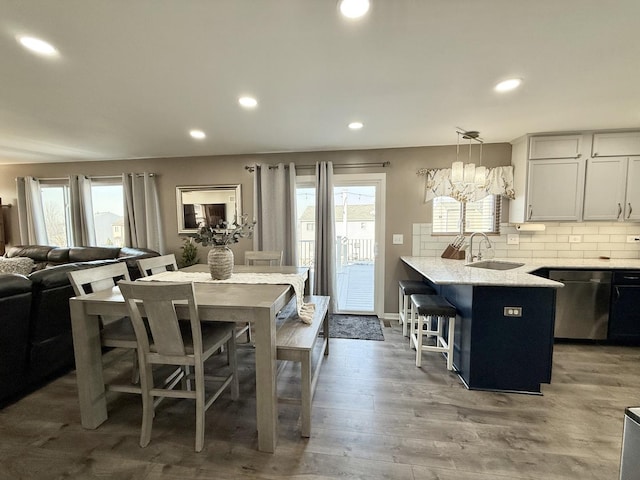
(359, 239)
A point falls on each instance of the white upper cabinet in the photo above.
(555, 146)
(620, 144)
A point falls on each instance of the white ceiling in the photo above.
(134, 76)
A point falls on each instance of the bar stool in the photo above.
(406, 288)
(427, 307)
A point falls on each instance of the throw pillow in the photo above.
(21, 265)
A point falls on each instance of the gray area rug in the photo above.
(360, 327)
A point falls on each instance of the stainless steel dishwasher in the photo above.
(582, 306)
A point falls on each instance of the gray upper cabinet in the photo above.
(632, 202)
(555, 146)
(573, 177)
(605, 188)
(617, 144)
(548, 178)
(612, 189)
(555, 189)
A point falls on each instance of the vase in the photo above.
(220, 260)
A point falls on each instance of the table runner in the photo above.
(305, 310)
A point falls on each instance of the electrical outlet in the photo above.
(633, 238)
(513, 239)
(575, 238)
(512, 311)
(398, 239)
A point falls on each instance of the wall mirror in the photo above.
(207, 205)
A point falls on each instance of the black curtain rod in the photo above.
(251, 168)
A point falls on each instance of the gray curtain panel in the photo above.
(30, 212)
(324, 263)
(142, 220)
(83, 231)
(274, 207)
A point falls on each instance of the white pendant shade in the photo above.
(457, 172)
(466, 178)
(469, 173)
(481, 175)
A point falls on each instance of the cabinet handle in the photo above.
(627, 277)
(595, 154)
(617, 289)
(578, 155)
(530, 212)
(630, 210)
(619, 210)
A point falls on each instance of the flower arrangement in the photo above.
(225, 233)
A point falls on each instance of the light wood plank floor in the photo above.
(375, 416)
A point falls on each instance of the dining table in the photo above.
(217, 302)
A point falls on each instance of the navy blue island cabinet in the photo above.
(495, 350)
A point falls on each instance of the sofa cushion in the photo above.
(20, 265)
(57, 276)
(58, 255)
(85, 254)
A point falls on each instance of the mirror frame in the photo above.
(235, 188)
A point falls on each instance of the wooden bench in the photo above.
(295, 341)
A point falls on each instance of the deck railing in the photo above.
(348, 250)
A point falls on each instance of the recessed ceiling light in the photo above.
(248, 102)
(38, 46)
(199, 134)
(507, 85)
(354, 8)
(356, 125)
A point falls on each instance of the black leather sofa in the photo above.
(36, 344)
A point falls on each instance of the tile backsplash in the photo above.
(607, 239)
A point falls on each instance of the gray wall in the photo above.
(404, 202)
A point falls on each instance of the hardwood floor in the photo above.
(375, 416)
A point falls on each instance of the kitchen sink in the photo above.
(495, 265)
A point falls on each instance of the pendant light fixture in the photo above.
(466, 178)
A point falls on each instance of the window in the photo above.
(480, 216)
(306, 211)
(55, 206)
(108, 211)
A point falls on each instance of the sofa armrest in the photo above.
(38, 253)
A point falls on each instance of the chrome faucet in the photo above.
(470, 256)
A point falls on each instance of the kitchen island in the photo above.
(504, 331)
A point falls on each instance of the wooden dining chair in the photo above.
(115, 332)
(271, 258)
(152, 265)
(167, 342)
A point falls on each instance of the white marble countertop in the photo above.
(443, 271)
(634, 413)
